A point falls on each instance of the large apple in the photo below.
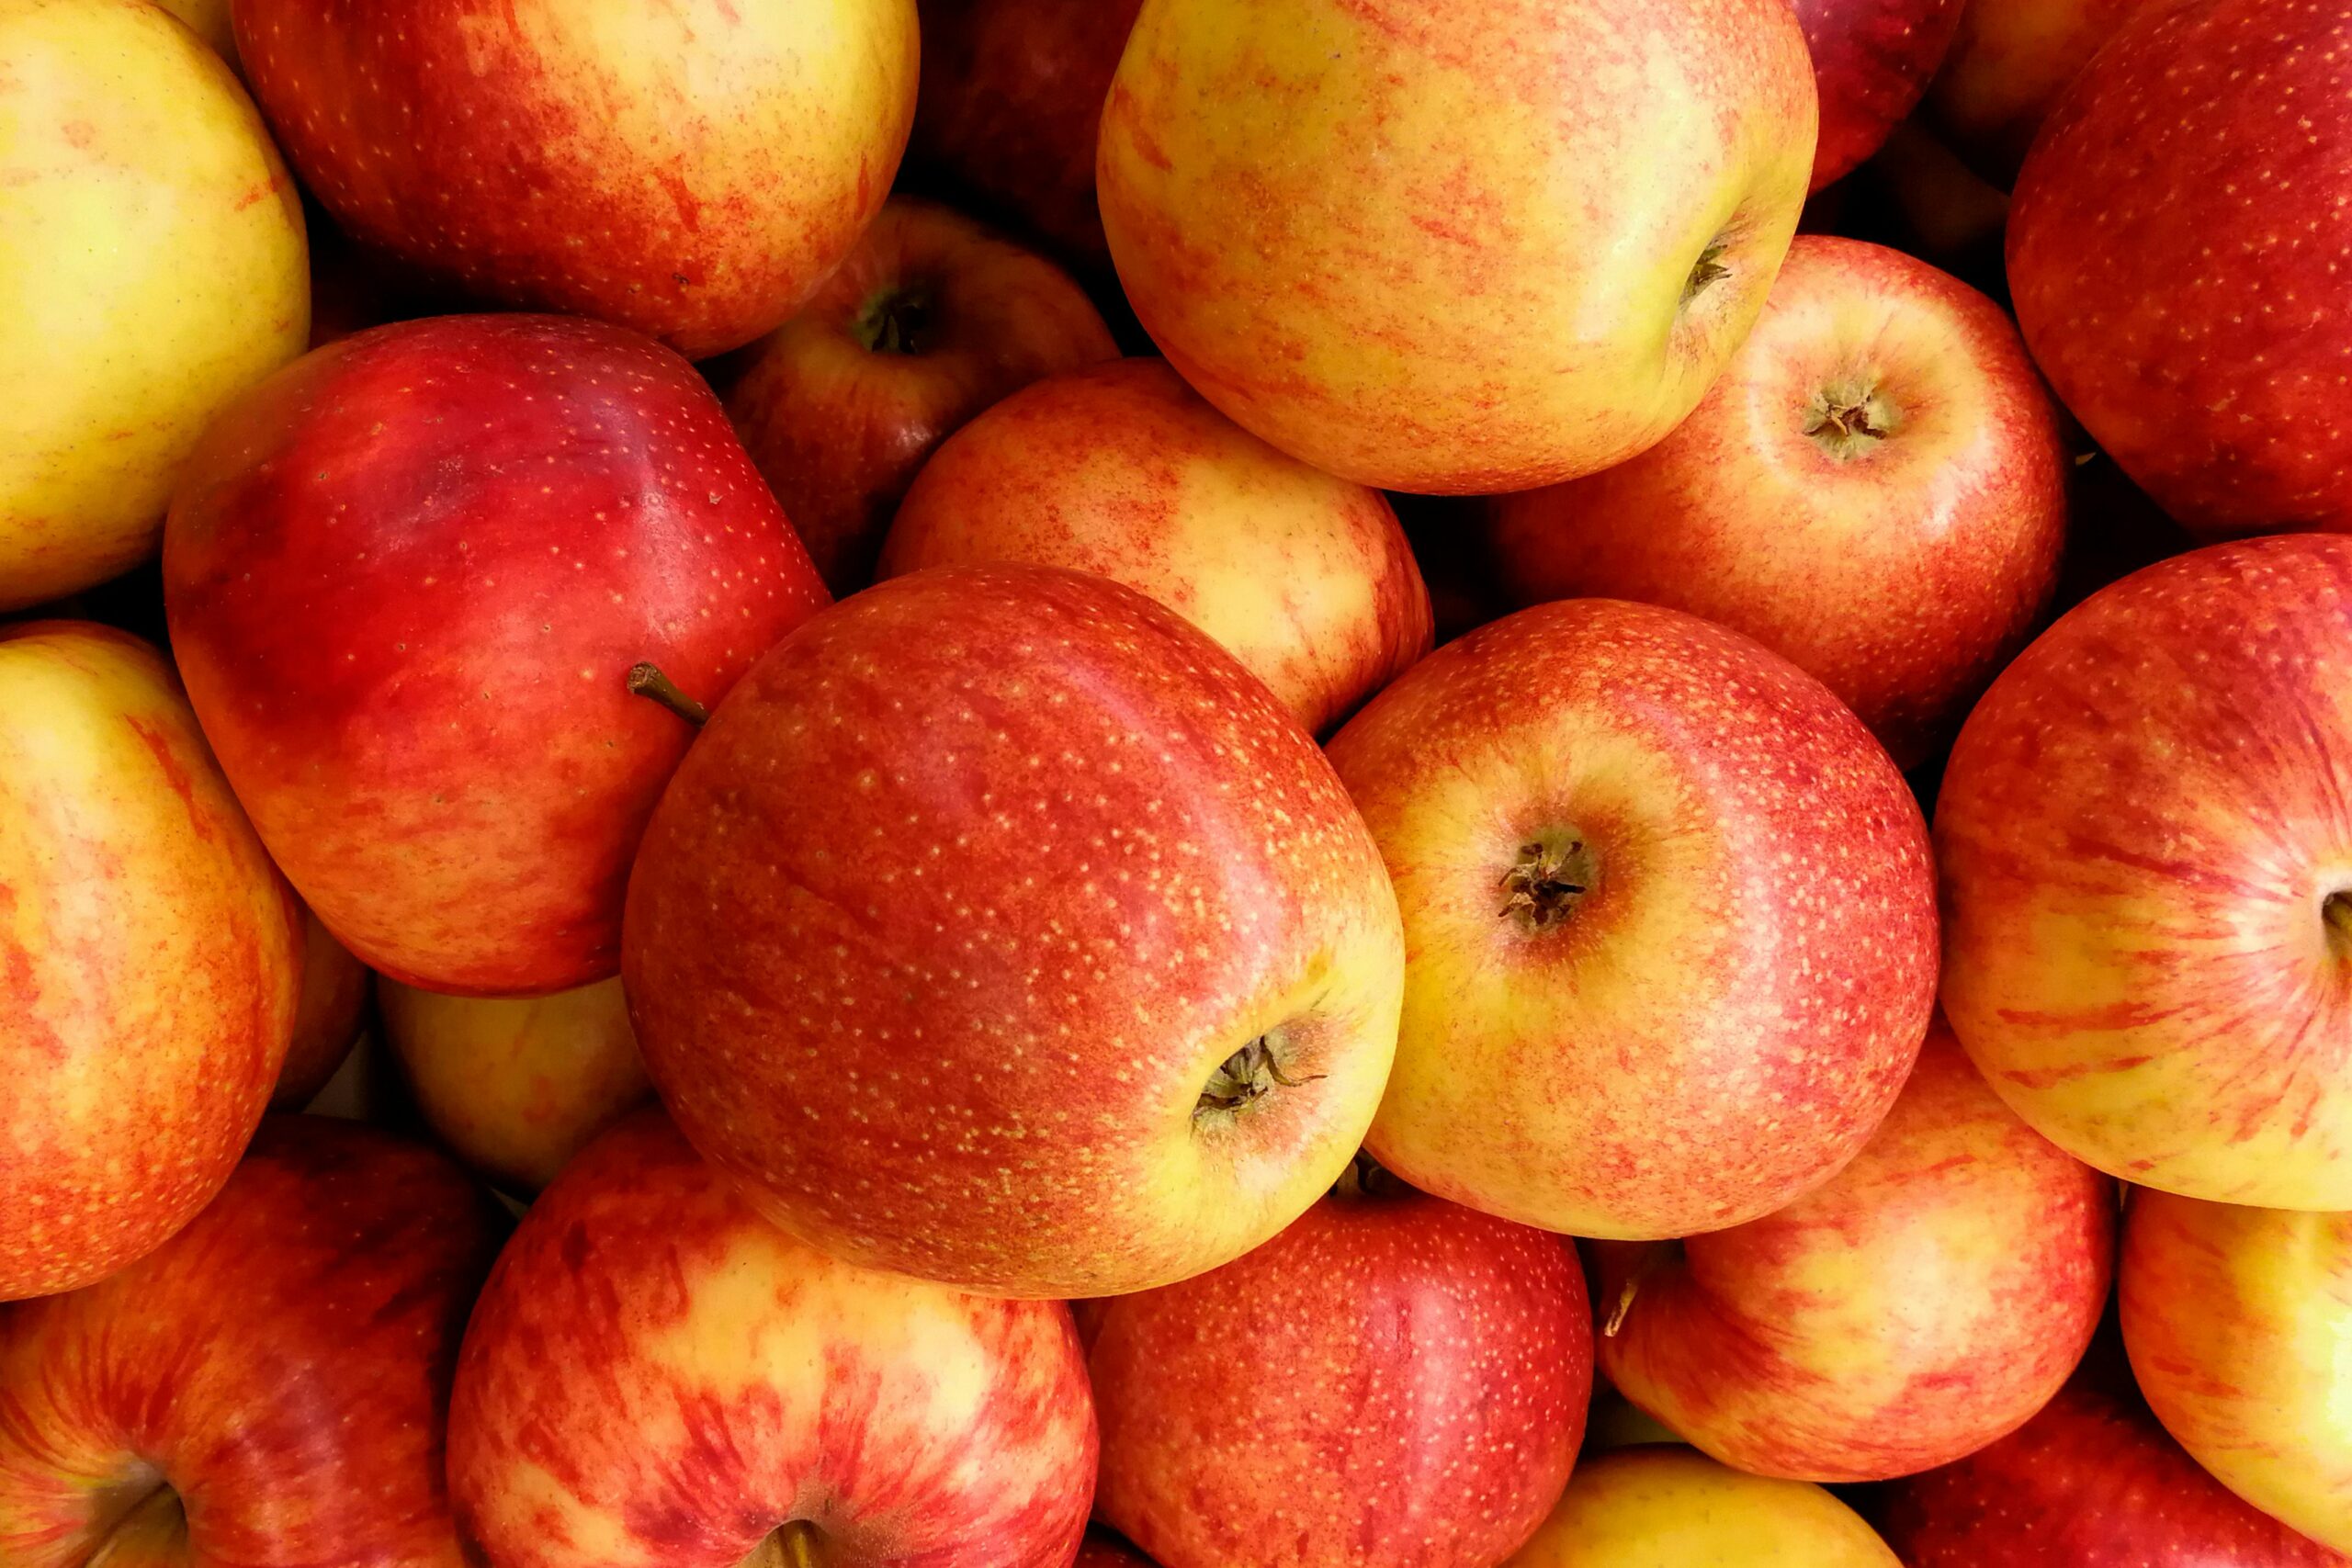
(328, 1018)
(1392, 1382)
(516, 1087)
(2236, 1319)
(1875, 490)
(1471, 247)
(150, 958)
(1126, 471)
(692, 169)
(2008, 64)
(1926, 1300)
(268, 1389)
(409, 577)
(152, 262)
(930, 319)
(1669, 915)
(2092, 1482)
(2147, 877)
(658, 1377)
(1871, 59)
(1003, 931)
(2171, 296)
(1664, 1506)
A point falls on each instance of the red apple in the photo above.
(1926, 1300)
(267, 1389)
(1874, 490)
(930, 319)
(657, 1376)
(2169, 247)
(2147, 879)
(408, 577)
(327, 1020)
(1391, 1382)
(2008, 64)
(1871, 59)
(2092, 1482)
(1012, 96)
(150, 960)
(1124, 471)
(1669, 915)
(692, 169)
(1002, 930)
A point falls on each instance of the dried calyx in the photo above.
(1707, 271)
(1247, 1076)
(897, 321)
(1544, 885)
(1849, 416)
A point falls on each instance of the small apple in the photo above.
(1666, 1507)
(930, 319)
(1003, 931)
(655, 1375)
(1124, 471)
(408, 578)
(1670, 914)
(1391, 1382)
(327, 1020)
(1871, 59)
(2009, 63)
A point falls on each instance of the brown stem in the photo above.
(647, 680)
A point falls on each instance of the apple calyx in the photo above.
(647, 680)
(1244, 1078)
(1849, 417)
(896, 320)
(1367, 1178)
(1544, 884)
(792, 1545)
(1707, 271)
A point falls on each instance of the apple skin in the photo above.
(1926, 1300)
(152, 261)
(407, 577)
(2135, 241)
(1392, 1382)
(2092, 1482)
(1663, 1505)
(2009, 63)
(1602, 1074)
(1011, 99)
(692, 170)
(839, 420)
(1015, 862)
(280, 1369)
(2235, 1319)
(150, 958)
(657, 1378)
(516, 1088)
(2139, 830)
(1316, 206)
(1099, 1550)
(1902, 571)
(1124, 471)
(327, 1020)
(1871, 60)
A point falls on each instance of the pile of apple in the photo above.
(1174, 777)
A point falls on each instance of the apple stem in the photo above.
(1652, 1261)
(647, 680)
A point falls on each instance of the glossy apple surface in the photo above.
(2147, 876)
(1652, 878)
(1871, 59)
(408, 577)
(1124, 471)
(1003, 931)
(657, 1378)
(1393, 1380)
(150, 958)
(1875, 490)
(1480, 247)
(327, 1020)
(1667, 1507)
(929, 320)
(2008, 64)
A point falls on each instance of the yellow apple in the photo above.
(1666, 1507)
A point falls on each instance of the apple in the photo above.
(692, 169)
(1124, 471)
(408, 577)
(1666, 1507)
(1875, 490)
(1391, 1382)
(2235, 1319)
(516, 1087)
(2009, 63)
(268, 1388)
(328, 1017)
(1670, 916)
(1003, 931)
(930, 319)
(1871, 59)
(1926, 1300)
(1011, 97)
(655, 1375)
(2169, 295)
(152, 258)
(150, 960)
(2092, 1482)
(1466, 248)
(2147, 904)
